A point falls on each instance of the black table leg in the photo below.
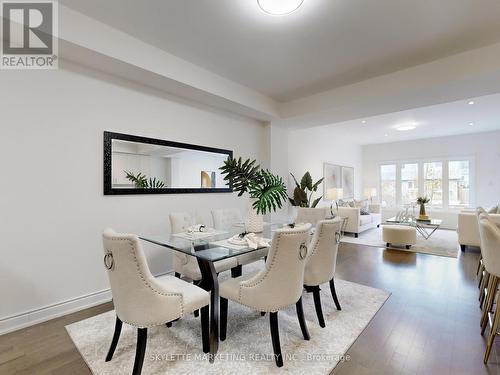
(210, 283)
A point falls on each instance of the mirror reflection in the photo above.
(145, 166)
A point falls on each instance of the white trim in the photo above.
(42, 314)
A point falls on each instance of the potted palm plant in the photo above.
(422, 201)
(267, 191)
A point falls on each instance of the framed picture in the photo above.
(348, 182)
(332, 177)
(338, 176)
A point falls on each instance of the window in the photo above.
(409, 183)
(458, 183)
(433, 183)
(388, 184)
(448, 183)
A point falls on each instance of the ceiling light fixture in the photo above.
(406, 127)
(471, 102)
(279, 7)
(363, 122)
(471, 124)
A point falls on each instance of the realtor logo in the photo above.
(29, 35)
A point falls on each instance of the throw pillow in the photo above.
(493, 210)
(363, 211)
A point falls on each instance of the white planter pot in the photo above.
(255, 222)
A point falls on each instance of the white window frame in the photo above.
(445, 182)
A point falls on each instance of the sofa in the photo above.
(468, 229)
(357, 223)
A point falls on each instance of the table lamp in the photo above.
(334, 194)
(370, 193)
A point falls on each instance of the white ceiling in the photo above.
(325, 44)
(434, 121)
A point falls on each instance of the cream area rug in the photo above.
(247, 348)
(443, 242)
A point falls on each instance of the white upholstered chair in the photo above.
(186, 265)
(276, 287)
(311, 215)
(224, 219)
(320, 267)
(490, 249)
(144, 301)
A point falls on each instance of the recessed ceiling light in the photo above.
(471, 102)
(386, 135)
(406, 127)
(363, 122)
(471, 124)
(279, 7)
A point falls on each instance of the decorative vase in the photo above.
(423, 215)
(255, 221)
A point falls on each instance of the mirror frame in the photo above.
(109, 190)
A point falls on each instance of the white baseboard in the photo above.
(56, 310)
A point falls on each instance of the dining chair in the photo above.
(145, 301)
(320, 267)
(490, 248)
(187, 265)
(276, 287)
(225, 219)
(311, 215)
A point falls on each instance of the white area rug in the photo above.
(247, 349)
(443, 242)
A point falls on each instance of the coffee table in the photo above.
(426, 228)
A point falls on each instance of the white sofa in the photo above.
(357, 223)
(468, 229)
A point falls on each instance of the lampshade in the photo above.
(334, 194)
(370, 192)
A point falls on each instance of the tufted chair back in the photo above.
(138, 298)
(225, 218)
(180, 221)
(320, 267)
(311, 215)
(490, 244)
(280, 284)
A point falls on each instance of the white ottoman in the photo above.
(399, 234)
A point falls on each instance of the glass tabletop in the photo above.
(413, 221)
(212, 245)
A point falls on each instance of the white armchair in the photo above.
(276, 287)
(144, 301)
(357, 223)
(320, 267)
(468, 228)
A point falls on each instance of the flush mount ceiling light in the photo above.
(279, 7)
(406, 127)
(471, 102)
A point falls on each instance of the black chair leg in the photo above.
(334, 294)
(178, 275)
(302, 321)
(223, 318)
(169, 324)
(262, 313)
(116, 337)
(142, 336)
(236, 271)
(275, 337)
(205, 333)
(196, 312)
(317, 304)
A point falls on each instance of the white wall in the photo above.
(52, 207)
(483, 147)
(308, 149)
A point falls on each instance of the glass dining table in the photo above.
(208, 248)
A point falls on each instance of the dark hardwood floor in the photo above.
(429, 325)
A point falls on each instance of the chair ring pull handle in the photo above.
(109, 262)
(337, 237)
(303, 251)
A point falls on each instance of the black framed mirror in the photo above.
(141, 165)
